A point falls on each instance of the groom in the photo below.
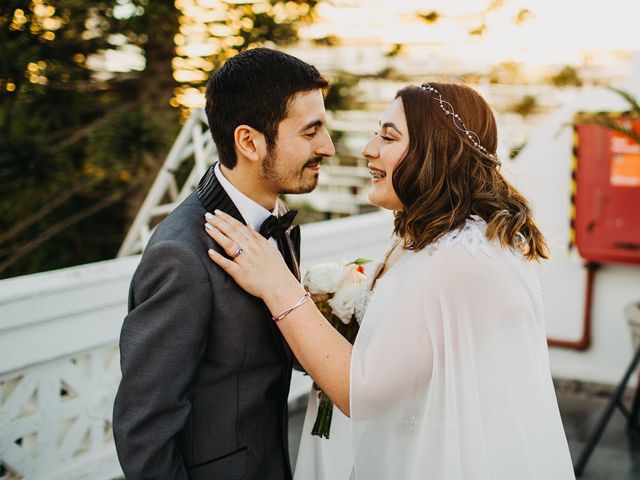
(205, 371)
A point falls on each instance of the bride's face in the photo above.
(383, 152)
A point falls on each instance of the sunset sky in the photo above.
(553, 32)
(558, 31)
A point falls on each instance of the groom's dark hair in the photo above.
(255, 88)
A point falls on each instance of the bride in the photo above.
(449, 375)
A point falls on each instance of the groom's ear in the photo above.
(250, 143)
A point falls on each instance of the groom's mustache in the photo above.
(312, 162)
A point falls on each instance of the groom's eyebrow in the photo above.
(312, 124)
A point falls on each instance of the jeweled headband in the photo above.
(448, 109)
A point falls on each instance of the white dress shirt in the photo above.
(252, 212)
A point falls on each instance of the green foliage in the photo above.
(634, 105)
(342, 93)
(245, 25)
(527, 105)
(122, 138)
(567, 77)
(71, 142)
(395, 50)
(516, 149)
(478, 31)
(328, 41)
(429, 17)
(607, 121)
(522, 16)
(360, 261)
(506, 72)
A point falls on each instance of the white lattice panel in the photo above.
(191, 154)
(55, 418)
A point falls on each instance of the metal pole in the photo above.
(606, 415)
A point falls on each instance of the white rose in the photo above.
(343, 303)
(324, 278)
(353, 276)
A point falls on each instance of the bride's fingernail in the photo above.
(208, 227)
(208, 216)
(217, 212)
(211, 251)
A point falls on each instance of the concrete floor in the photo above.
(616, 457)
(617, 454)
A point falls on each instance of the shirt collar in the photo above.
(252, 212)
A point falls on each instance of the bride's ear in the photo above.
(250, 143)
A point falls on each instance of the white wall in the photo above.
(542, 171)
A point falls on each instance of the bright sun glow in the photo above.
(473, 33)
(556, 31)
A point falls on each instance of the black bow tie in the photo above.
(276, 226)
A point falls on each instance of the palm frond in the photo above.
(629, 98)
(610, 123)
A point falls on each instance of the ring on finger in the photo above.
(237, 253)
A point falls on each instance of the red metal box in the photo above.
(606, 192)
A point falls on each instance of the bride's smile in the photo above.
(384, 151)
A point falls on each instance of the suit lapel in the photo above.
(213, 196)
(292, 243)
(294, 235)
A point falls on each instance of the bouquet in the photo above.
(335, 289)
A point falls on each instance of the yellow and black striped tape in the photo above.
(573, 186)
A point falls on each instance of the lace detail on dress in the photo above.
(472, 236)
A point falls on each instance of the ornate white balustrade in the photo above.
(60, 364)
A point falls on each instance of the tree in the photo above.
(509, 72)
(223, 29)
(567, 76)
(342, 92)
(53, 106)
(527, 105)
(474, 21)
(81, 142)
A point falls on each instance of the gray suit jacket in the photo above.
(205, 371)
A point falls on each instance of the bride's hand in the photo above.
(255, 264)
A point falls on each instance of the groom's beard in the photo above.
(290, 181)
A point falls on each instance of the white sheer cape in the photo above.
(450, 375)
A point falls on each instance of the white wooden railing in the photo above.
(60, 364)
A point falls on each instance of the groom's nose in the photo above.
(325, 146)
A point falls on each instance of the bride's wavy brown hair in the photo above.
(444, 179)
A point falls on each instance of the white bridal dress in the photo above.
(450, 374)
